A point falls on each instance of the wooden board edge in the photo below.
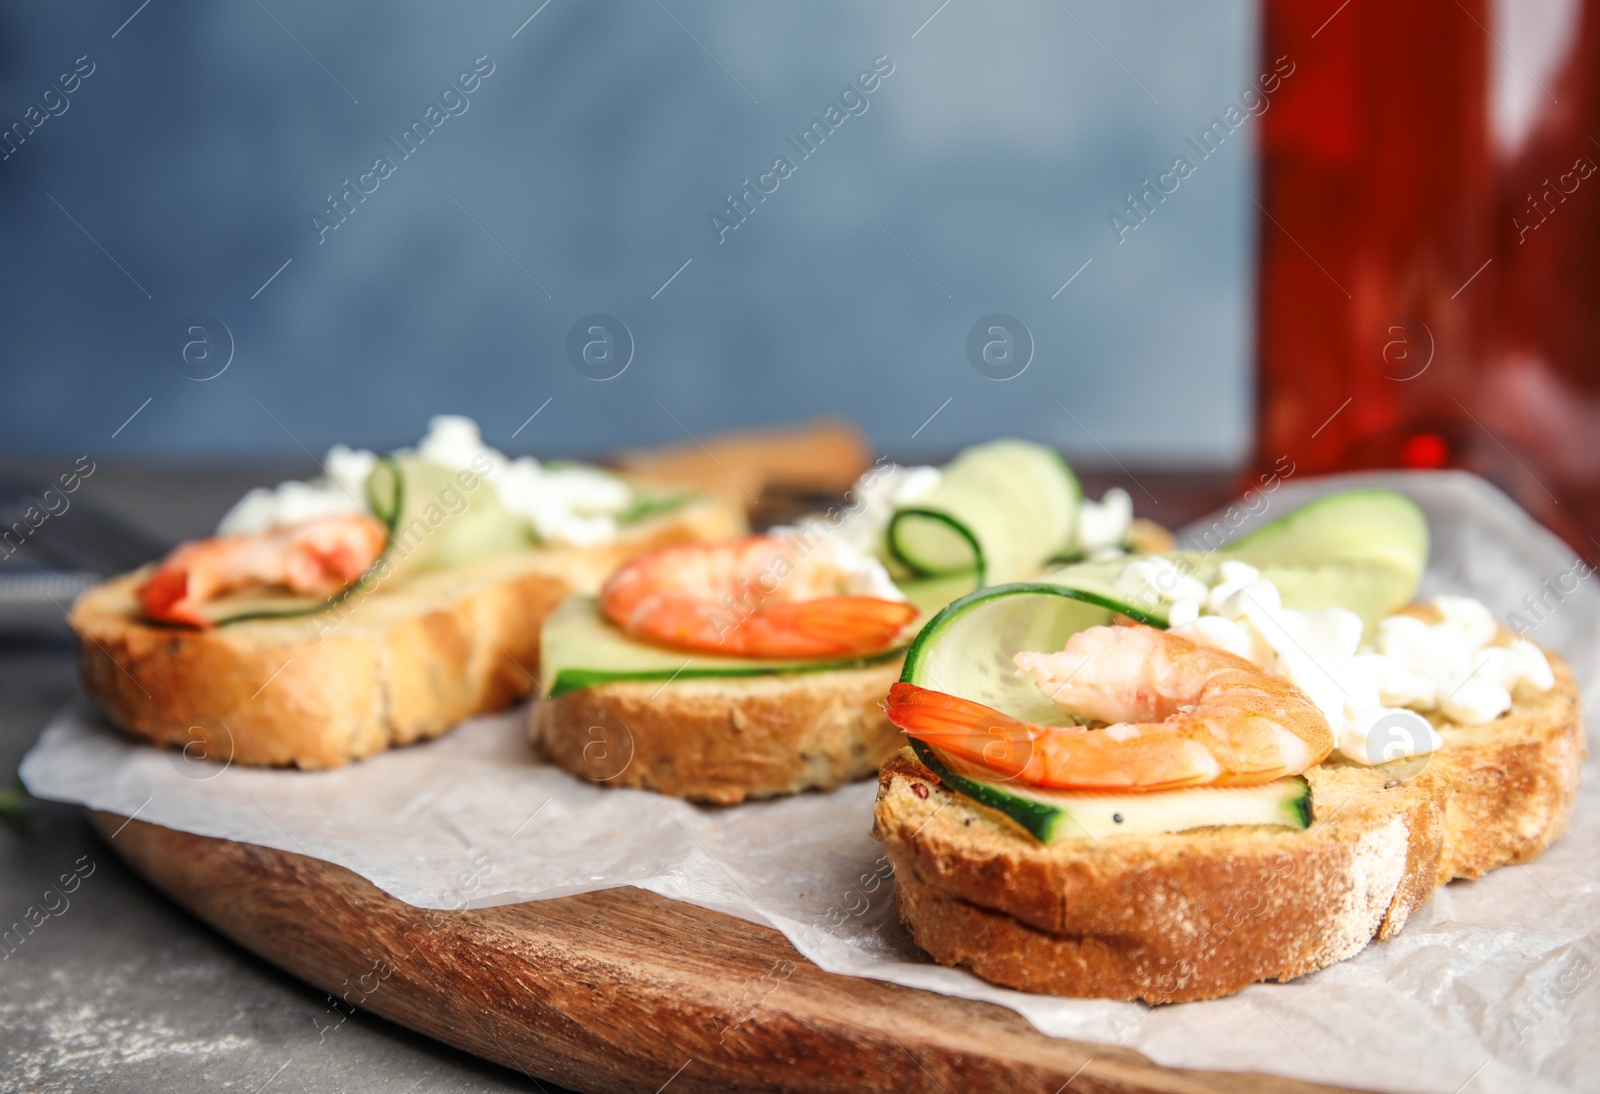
(623, 989)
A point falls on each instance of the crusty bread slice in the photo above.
(724, 739)
(404, 663)
(1512, 782)
(1197, 914)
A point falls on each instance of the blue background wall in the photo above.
(978, 180)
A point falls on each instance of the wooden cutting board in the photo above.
(624, 989)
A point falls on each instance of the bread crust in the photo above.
(1513, 782)
(724, 740)
(1198, 914)
(404, 664)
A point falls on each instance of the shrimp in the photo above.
(1175, 713)
(751, 597)
(317, 557)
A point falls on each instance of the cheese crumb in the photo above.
(577, 506)
(1103, 525)
(1374, 696)
(1381, 735)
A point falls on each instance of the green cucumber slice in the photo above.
(646, 505)
(930, 594)
(1358, 526)
(433, 521)
(1099, 580)
(579, 648)
(242, 607)
(966, 649)
(1000, 512)
(1371, 588)
(1054, 815)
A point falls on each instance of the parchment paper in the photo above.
(1491, 986)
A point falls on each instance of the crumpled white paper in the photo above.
(1491, 986)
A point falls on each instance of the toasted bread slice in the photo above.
(1203, 913)
(724, 739)
(400, 665)
(1512, 782)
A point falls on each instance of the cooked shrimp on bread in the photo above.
(1162, 712)
(317, 557)
(754, 597)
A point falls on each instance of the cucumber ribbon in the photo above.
(436, 517)
(1000, 513)
(1360, 550)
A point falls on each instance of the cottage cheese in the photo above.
(865, 574)
(1103, 525)
(862, 572)
(343, 490)
(1156, 581)
(855, 539)
(1373, 695)
(875, 497)
(577, 506)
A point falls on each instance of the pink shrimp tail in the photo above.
(829, 626)
(991, 745)
(749, 598)
(1002, 746)
(315, 557)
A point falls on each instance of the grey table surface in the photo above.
(123, 990)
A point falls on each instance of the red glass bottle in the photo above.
(1429, 288)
